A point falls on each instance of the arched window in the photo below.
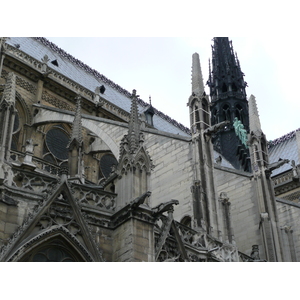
(55, 146)
(239, 112)
(215, 117)
(186, 221)
(205, 112)
(197, 118)
(55, 250)
(226, 113)
(234, 88)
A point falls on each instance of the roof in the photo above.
(284, 147)
(90, 79)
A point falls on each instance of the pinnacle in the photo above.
(254, 120)
(197, 79)
(134, 124)
(77, 126)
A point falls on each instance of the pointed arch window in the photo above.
(215, 117)
(16, 132)
(234, 88)
(54, 250)
(226, 113)
(224, 88)
(239, 112)
(205, 112)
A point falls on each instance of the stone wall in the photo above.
(172, 176)
(289, 222)
(240, 189)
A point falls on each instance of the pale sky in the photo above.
(161, 68)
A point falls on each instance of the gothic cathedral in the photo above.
(91, 172)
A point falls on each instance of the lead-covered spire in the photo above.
(229, 103)
(225, 78)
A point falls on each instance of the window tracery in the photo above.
(55, 144)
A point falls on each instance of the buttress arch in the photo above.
(44, 116)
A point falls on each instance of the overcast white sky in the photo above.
(161, 67)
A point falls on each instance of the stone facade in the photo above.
(90, 172)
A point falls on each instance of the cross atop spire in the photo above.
(197, 79)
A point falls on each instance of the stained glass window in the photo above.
(57, 141)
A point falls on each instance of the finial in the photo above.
(254, 121)
(134, 124)
(197, 79)
(150, 100)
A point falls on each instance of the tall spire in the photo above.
(229, 103)
(226, 75)
(254, 121)
(197, 79)
(134, 124)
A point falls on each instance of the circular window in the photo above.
(106, 163)
(57, 141)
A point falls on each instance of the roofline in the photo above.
(109, 82)
(282, 138)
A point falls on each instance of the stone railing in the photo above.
(18, 157)
(93, 196)
(286, 177)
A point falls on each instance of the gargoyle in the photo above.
(214, 129)
(139, 200)
(161, 208)
(278, 164)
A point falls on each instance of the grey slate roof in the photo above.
(284, 147)
(90, 79)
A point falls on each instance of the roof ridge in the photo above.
(98, 75)
(282, 138)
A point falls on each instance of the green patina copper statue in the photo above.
(240, 131)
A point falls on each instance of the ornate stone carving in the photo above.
(55, 211)
(56, 102)
(94, 197)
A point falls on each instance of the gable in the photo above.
(57, 216)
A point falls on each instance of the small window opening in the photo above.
(224, 88)
(226, 113)
(54, 62)
(102, 89)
